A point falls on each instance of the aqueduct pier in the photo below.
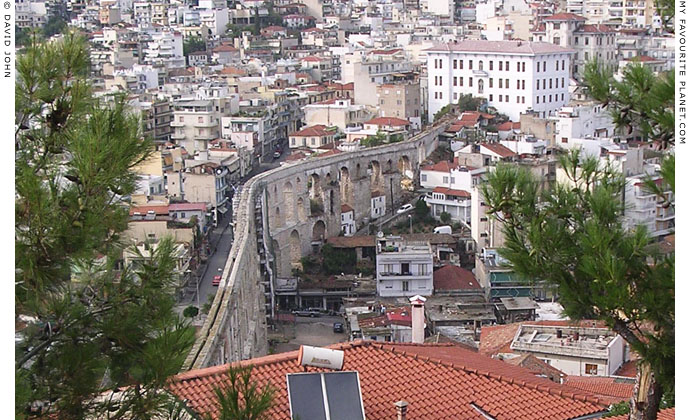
(281, 215)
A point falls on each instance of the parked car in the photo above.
(405, 208)
(307, 312)
(276, 154)
(216, 280)
(338, 327)
(443, 229)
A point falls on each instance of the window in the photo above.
(586, 56)
(550, 83)
(181, 119)
(577, 40)
(470, 64)
(564, 139)
(491, 82)
(556, 65)
(405, 268)
(461, 81)
(500, 65)
(491, 97)
(452, 180)
(405, 286)
(562, 97)
(383, 102)
(543, 98)
(590, 369)
(500, 83)
(507, 83)
(460, 64)
(556, 26)
(481, 65)
(423, 177)
(537, 84)
(455, 97)
(470, 81)
(537, 99)
(455, 80)
(445, 179)
(549, 98)
(507, 65)
(500, 98)
(480, 86)
(538, 66)
(523, 66)
(440, 95)
(200, 119)
(507, 98)
(523, 99)
(523, 85)
(586, 40)
(491, 65)
(455, 64)
(556, 40)
(423, 269)
(562, 82)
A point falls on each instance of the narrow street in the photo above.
(220, 241)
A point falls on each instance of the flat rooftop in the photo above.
(573, 341)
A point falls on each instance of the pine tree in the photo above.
(241, 398)
(572, 235)
(93, 326)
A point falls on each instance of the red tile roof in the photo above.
(442, 166)
(627, 369)
(344, 208)
(145, 209)
(505, 47)
(644, 59)
(318, 130)
(386, 52)
(312, 59)
(665, 414)
(499, 149)
(389, 121)
(434, 387)
(613, 388)
(187, 206)
(452, 277)
(454, 193)
(225, 48)
(565, 16)
(509, 125)
(596, 28)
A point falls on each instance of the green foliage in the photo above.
(235, 31)
(193, 44)
(572, 236)
(206, 307)
(445, 217)
(466, 102)
(316, 207)
(336, 261)
(98, 328)
(240, 398)
(54, 25)
(375, 140)
(618, 409)
(421, 210)
(22, 36)
(640, 100)
(443, 111)
(190, 311)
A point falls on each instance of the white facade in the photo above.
(347, 221)
(457, 203)
(403, 268)
(583, 120)
(514, 76)
(456, 177)
(165, 48)
(642, 208)
(378, 205)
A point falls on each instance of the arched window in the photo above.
(480, 86)
(481, 65)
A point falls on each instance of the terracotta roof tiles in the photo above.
(434, 387)
(616, 389)
(452, 277)
(665, 414)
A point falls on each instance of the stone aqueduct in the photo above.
(280, 214)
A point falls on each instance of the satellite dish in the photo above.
(379, 234)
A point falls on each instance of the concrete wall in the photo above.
(235, 328)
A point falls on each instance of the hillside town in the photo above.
(324, 174)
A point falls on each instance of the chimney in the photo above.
(417, 303)
(401, 409)
(559, 333)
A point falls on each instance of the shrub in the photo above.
(445, 217)
(421, 209)
(190, 311)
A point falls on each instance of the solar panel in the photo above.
(325, 396)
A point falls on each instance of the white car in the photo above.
(405, 208)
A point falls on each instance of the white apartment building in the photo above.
(340, 113)
(195, 124)
(403, 268)
(457, 203)
(573, 350)
(165, 48)
(642, 207)
(347, 220)
(450, 175)
(378, 204)
(583, 120)
(142, 14)
(514, 76)
(30, 14)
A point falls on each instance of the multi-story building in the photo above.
(457, 203)
(347, 220)
(644, 208)
(401, 100)
(336, 112)
(450, 175)
(403, 268)
(376, 68)
(312, 137)
(156, 116)
(582, 119)
(142, 14)
(579, 351)
(195, 124)
(164, 48)
(202, 182)
(30, 14)
(514, 76)
(589, 41)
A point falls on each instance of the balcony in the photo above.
(206, 124)
(175, 123)
(480, 73)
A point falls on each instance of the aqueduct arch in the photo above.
(289, 198)
(346, 188)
